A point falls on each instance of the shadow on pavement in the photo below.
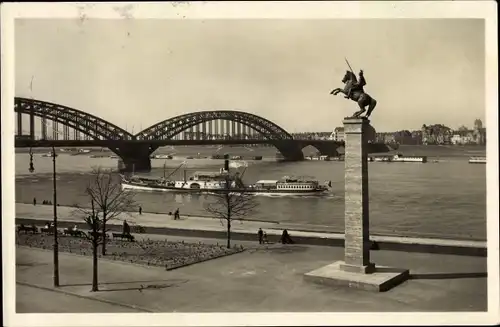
(141, 287)
(174, 281)
(389, 269)
(449, 275)
(279, 248)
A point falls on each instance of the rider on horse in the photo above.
(354, 91)
(357, 86)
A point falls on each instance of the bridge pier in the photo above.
(290, 150)
(32, 123)
(134, 157)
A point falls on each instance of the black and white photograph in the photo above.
(250, 163)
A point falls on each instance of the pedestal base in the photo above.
(380, 280)
(368, 269)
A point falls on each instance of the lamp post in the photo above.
(32, 168)
(56, 243)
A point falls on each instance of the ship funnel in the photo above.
(226, 162)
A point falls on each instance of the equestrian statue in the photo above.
(354, 90)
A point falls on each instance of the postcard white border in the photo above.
(247, 10)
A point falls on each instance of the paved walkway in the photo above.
(261, 279)
(31, 299)
(45, 212)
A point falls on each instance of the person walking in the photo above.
(177, 214)
(140, 210)
(260, 233)
(126, 228)
(285, 238)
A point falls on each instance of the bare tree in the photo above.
(93, 220)
(105, 191)
(108, 201)
(232, 203)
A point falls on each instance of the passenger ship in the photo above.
(398, 158)
(215, 182)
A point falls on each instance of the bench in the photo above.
(139, 229)
(48, 230)
(76, 233)
(27, 229)
(129, 237)
(90, 233)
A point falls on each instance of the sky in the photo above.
(135, 73)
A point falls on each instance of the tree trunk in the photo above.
(228, 202)
(228, 233)
(95, 245)
(104, 233)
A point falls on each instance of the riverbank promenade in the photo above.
(263, 278)
(247, 230)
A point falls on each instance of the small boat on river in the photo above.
(161, 156)
(398, 158)
(477, 160)
(49, 155)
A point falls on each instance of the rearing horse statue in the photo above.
(354, 91)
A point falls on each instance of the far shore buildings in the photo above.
(437, 134)
(440, 134)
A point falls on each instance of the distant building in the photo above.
(463, 137)
(436, 134)
(338, 134)
(385, 137)
(479, 132)
(416, 137)
(470, 136)
(403, 137)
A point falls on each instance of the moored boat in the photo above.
(221, 156)
(477, 160)
(398, 158)
(49, 155)
(337, 158)
(161, 156)
(318, 158)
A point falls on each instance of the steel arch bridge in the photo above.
(135, 150)
(171, 127)
(93, 126)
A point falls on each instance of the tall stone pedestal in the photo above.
(356, 270)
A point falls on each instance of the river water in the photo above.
(438, 199)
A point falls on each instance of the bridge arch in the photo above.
(88, 124)
(316, 147)
(324, 147)
(169, 128)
